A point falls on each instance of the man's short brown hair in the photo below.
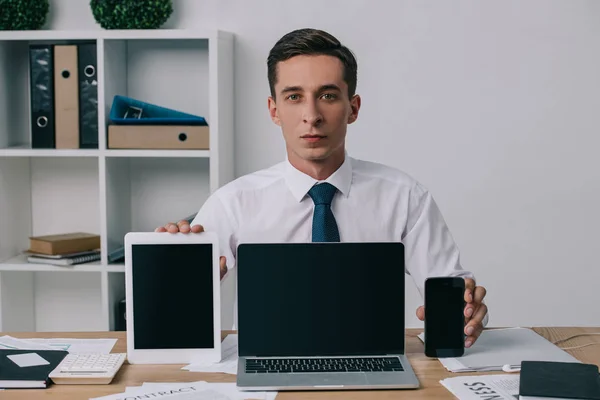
(311, 42)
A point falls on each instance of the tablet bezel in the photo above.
(172, 356)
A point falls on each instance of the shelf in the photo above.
(26, 151)
(102, 190)
(52, 35)
(19, 263)
(157, 153)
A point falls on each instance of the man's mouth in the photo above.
(312, 138)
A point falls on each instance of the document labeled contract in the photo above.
(200, 390)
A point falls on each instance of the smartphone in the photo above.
(444, 317)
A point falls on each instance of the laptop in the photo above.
(318, 316)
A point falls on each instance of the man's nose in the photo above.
(312, 115)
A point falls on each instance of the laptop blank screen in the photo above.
(312, 299)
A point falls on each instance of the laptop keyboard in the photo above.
(358, 364)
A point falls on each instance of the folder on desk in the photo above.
(546, 380)
(498, 347)
(21, 369)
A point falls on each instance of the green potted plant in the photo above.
(19, 15)
(131, 14)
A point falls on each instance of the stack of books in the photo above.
(64, 249)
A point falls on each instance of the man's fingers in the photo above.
(421, 313)
(222, 264)
(197, 228)
(476, 320)
(469, 311)
(160, 229)
(480, 313)
(183, 226)
(480, 293)
(469, 287)
(475, 311)
(171, 228)
(471, 339)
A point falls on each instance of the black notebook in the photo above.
(28, 368)
(562, 380)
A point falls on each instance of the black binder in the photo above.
(41, 68)
(12, 376)
(88, 95)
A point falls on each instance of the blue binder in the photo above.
(151, 114)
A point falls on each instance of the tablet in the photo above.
(172, 287)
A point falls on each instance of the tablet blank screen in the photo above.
(172, 296)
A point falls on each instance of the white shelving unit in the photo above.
(104, 191)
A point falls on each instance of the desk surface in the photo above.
(429, 371)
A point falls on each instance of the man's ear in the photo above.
(354, 107)
(273, 110)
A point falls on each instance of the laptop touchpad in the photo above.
(333, 379)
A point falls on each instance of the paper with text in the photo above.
(497, 387)
(188, 391)
(485, 387)
(228, 389)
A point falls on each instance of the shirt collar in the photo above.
(299, 183)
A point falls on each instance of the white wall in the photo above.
(494, 106)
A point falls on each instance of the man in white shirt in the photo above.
(320, 193)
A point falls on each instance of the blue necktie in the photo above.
(324, 228)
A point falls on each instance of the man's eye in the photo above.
(329, 96)
(293, 97)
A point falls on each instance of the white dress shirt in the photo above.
(373, 203)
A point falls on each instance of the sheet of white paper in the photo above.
(498, 387)
(496, 348)
(11, 343)
(28, 360)
(228, 389)
(189, 391)
(131, 389)
(451, 364)
(229, 358)
(79, 346)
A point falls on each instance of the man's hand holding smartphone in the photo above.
(474, 311)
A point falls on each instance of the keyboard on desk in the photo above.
(353, 364)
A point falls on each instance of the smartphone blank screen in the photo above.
(444, 317)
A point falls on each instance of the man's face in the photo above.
(312, 106)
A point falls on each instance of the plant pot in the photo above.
(19, 15)
(131, 14)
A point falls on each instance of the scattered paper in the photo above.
(229, 358)
(200, 390)
(227, 389)
(11, 343)
(497, 349)
(28, 359)
(497, 387)
(79, 346)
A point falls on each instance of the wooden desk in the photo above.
(429, 371)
